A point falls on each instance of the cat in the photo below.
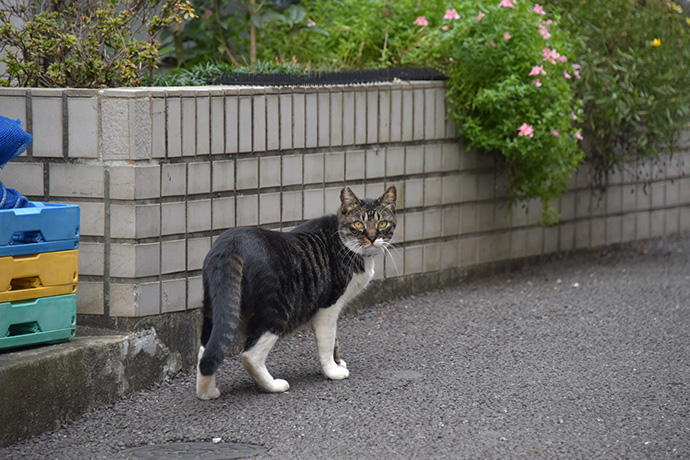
(265, 284)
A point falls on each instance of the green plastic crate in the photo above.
(38, 321)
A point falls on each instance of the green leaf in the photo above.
(294, 14)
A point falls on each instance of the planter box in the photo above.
(159, 173)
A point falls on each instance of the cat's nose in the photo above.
(371, 236)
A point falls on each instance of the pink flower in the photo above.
(537, 70)
(506, 4)
(538, 9)
(576, 71)
(566, 74)
(525, 130)
(555, 133)
(446, 27)
(506, 36)
(573, 116)
(578, 134)
(544, 32)
(480, 16)
(451, 14)
(208, 14)
(550, 55)
(537, 83)
(421, 21)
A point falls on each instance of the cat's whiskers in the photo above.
(387, 250)
(348, 252)
(394, 247)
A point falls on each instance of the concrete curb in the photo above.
(43, 387)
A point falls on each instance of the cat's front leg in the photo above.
(336, 355)
(325, 325)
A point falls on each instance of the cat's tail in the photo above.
(222, 279)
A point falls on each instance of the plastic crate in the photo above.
(31, 276)
(39, 227)
(38, 321)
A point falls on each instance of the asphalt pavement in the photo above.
(581, 357)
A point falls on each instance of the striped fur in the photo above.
(260, 284)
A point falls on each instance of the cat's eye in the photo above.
(358, 225)
(383, 224)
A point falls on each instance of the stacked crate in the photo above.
(38, 274)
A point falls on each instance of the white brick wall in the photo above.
(159, 173)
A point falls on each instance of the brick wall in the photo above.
(159, 173)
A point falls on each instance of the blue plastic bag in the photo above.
(13, 142)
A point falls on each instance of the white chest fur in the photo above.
(357, 284)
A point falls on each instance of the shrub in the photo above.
(214, 36)
(497, 102)
(490, 52)
(209, 72)
(234, 31)
(635, 85)
(86, 44)
(509, 85)
(373, 34)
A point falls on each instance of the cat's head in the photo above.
(366, 226)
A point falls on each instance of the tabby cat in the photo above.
(263, 284)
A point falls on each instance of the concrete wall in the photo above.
(159, 173)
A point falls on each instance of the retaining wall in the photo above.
(159, 173)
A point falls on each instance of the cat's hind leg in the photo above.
(325, 324)
(205, 384)
(254, 360)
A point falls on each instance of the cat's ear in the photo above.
(348, 200)
(389, 198)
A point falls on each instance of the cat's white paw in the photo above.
(342, 364)
(206, 387)
(337, 372)
(205, 384)
(277, 386)
(206, 394)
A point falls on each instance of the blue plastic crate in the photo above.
(39, 227)
(38, 321)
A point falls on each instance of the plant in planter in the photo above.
(509, 74)
(84, 44)
(236, 32)
(508, 64)
(373, 34)
(635, 59)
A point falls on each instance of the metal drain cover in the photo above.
(194, 451)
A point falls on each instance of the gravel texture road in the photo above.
(581, 357)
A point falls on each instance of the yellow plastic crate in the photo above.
(38, 275)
